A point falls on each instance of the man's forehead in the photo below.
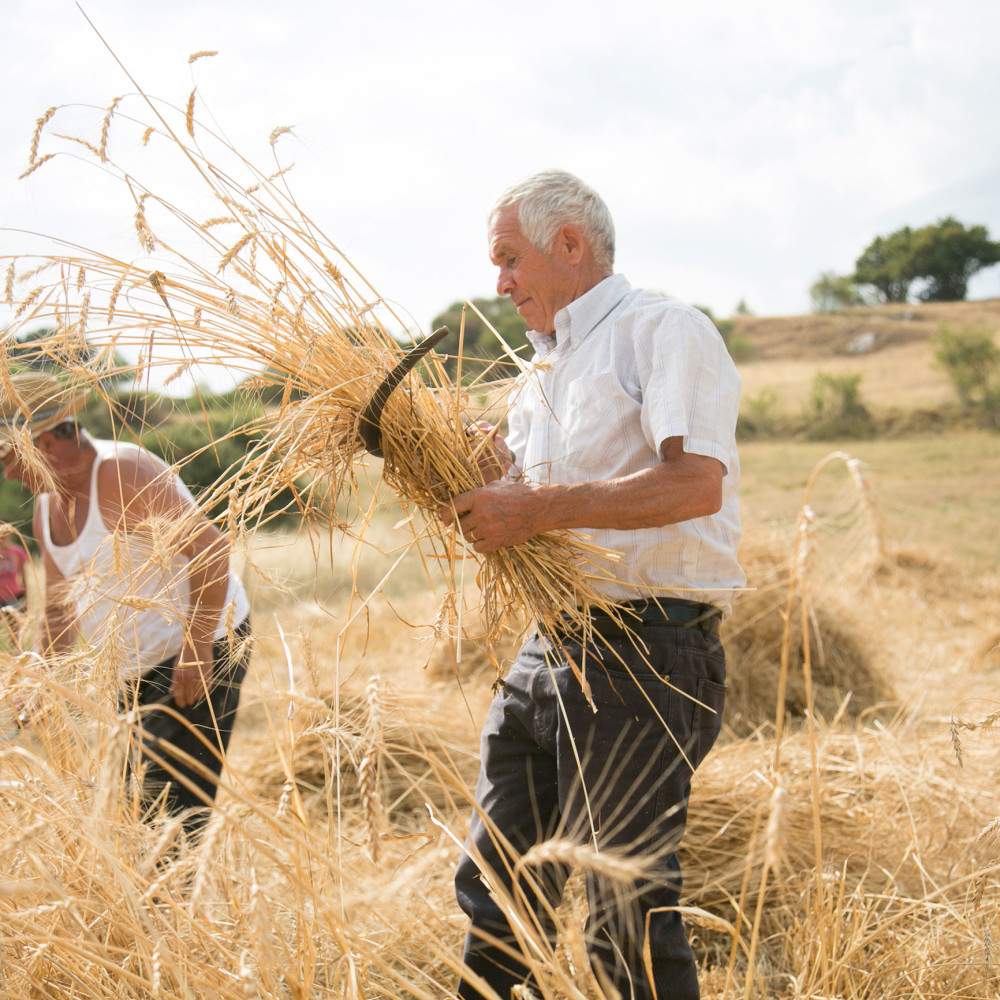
(505, 233)
(503, 245)
(500, 247)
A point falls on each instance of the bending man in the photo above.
(135, 569)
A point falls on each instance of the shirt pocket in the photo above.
(598, 421)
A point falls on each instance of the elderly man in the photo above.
(135, 569)
(625, 433)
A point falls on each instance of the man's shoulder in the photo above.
(659, 304)
(645, 315)
(126, 468)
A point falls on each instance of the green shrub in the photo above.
(741, 348)
(831, 292)
(971, 358)
(759, 417)
(836, 410)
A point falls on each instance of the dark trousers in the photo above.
(627, 792)
(177, 753)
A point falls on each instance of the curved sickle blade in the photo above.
(370, 427)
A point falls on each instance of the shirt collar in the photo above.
(581, 317)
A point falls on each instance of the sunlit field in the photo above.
(849, 851)
(843, 834)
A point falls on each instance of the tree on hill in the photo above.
(947, 254)
(944, 255)
(886, 266)
(831, 292)
(479, 341)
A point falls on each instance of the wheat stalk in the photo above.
(296, 314)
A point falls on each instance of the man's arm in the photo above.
(681, 487)
(137, 490)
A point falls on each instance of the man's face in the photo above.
(13, 466)
(15, 469)
(539, 284)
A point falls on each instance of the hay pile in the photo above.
(377, 749)
(844, 673)
(866, 850)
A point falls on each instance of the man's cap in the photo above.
(38, 401)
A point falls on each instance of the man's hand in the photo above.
(498, 515)
(490, 451)
(192, 674)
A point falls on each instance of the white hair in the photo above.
(553, 198)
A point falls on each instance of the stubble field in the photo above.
(843, 833)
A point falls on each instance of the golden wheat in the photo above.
(284, 305)
(897, 898)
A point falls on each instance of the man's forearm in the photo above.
(505, 513)
(647, 499)
(208, 579)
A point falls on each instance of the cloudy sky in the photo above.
(743, 146)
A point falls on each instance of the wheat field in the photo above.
(846, 847)
(843, 835)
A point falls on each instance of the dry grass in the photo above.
(848, 858)
(826, 856)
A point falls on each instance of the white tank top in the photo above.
(131, 595)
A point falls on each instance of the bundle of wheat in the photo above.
(355, 746)
(276, 301)
(844, 676)
(859, 844)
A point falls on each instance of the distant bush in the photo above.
(971, 358)
(759, 416)
(836, 410)
(741, 348)
(831, 292)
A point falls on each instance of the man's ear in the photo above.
(571, 243)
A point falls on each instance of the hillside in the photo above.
(891, 346)
(821, 336)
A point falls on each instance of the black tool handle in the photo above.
(371, 419)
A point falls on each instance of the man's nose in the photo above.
(505, 283)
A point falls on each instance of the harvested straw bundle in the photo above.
(348, 728)
(844, 675)
(900, 859)
(257, 286)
